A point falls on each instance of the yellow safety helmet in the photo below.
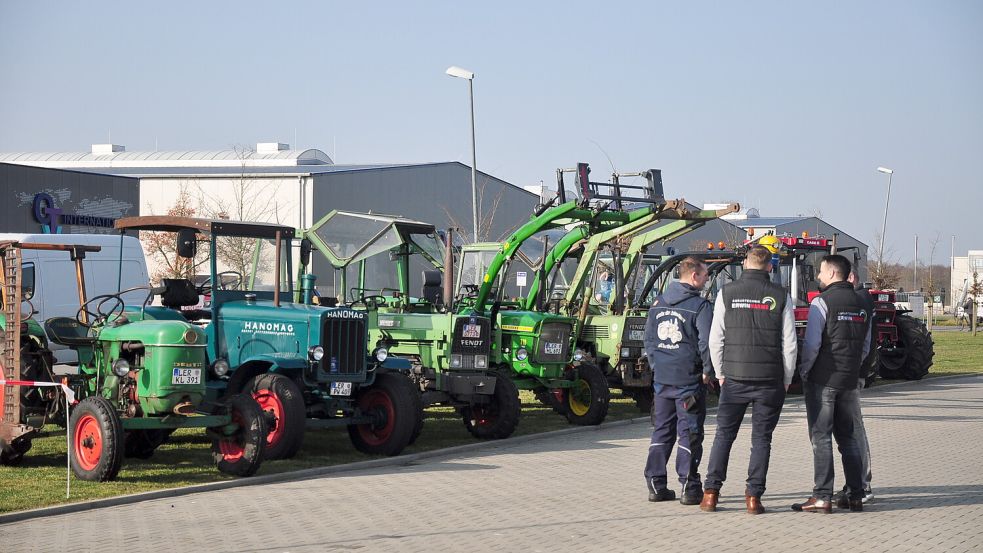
(771, 242)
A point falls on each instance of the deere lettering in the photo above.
(268, 327)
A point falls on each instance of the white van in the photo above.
(55, 290)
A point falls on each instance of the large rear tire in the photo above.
(588, 399)
(283, 404)
(394, 404)
(241, 453)
(142, 443)
(868, 371)
(499, 418)
(97, 440)
(919, 346)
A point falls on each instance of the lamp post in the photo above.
(455, 71)
(880, 252)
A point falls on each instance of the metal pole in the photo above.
(880, 253)
(914, 268)
(952, 266)
(474, 163)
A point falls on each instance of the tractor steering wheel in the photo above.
(101, 314)
(206, 287)
(372, 301)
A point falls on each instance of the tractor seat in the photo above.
(67, 332)
(179, 292)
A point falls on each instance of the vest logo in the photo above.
(852, 316)
(766, 303)
(669, 330)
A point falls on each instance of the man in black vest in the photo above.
(836, 342)
(677, 333)
(753, 347)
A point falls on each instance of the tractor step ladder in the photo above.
(11, 337)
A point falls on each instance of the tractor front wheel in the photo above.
(499, 418)
(12, 454)
(281, 400)
(393, 403)
(97, 440)
(241, 452)
(588, 398)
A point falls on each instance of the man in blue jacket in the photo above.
(677, 344)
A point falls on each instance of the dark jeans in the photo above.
(766, 399)
(832, 413)
(672, 418)
(861, 434)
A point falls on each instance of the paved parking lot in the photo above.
(582, 492)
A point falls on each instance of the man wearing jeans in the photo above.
(676, 341)
(753, 347)
(836, 342)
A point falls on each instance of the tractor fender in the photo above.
(260, 364)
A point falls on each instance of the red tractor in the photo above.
(902, 346)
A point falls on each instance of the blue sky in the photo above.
(784, 106)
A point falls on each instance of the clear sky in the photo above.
(784, 106)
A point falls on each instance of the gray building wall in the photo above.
(75, 193)
(438, 193)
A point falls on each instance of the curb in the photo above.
(403, 460)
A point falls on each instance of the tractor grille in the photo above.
(595, 332)
(472, 336)
(633, 338)
(554, 334)
(344, 346)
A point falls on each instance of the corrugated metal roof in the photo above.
(210, 158)
(766, 221)
(295, 170)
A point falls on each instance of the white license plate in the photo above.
(636, 335)
(341, 388)
(186, 376)
(552, 348)
(471, 331)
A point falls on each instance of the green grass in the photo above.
(185, 459)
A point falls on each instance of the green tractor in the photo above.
(537, 346)
(610, 325)
(138, 380)
(374, 258)
(306, 365)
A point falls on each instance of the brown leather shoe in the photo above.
(709, 503)
(754, 506)
(813, 505)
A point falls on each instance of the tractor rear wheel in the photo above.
(97, 440)
(643, 397)
(919, 346)
(281, 400)
(418, 427)
(142, 443)
(12, 454)
(499, 418)
(552, 399)
(868, 371)
(241, 452)
(394, 405)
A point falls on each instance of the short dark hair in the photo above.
(841, 265)
(758, 257)
(689, 265)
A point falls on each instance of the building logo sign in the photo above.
(52, 218)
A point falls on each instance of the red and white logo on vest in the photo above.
(852, 316)
(766, 303)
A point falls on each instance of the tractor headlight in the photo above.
(625, 352)
(521, 354)
(457, 361)
(121, 367)
(316, 353)
(380, 354)
(578, 355)
(221, 368)
(190, 336)
(481, 361)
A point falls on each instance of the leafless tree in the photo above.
(161, 247)
(884, 274)
(486, 218)
(975, 290)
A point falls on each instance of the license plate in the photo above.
(472, 331)
(553, 348)
(636, 335)
(341, 388)
(186, 376)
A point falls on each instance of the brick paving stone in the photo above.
(583, 491)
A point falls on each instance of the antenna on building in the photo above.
(334, 149)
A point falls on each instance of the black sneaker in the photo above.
(691, 497)
(662, 494)
(841, 499)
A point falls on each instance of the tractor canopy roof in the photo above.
(217, 227)
(346, 237)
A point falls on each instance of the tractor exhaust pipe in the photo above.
(449, 270)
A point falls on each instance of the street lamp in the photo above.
(880, 253)
(455, 71)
